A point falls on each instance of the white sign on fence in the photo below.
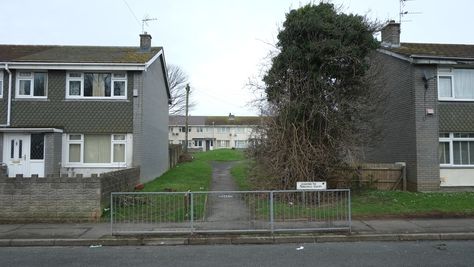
(311, 185)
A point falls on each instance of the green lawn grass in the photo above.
(375, 203)
(195, 175)
(240, 174)
(220, 155)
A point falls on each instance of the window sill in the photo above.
(31, 99)
(96, 100)
(456, 166)
(454, 100)
(97, 165)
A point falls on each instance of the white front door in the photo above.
(16, 154)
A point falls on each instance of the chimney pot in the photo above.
(145, 42)
(391, 34)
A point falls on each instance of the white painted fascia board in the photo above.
(396, 55)
(442, 57)
(75, 66)
(165, 71)
(430, 60)
(29, 130)
(153, 59)
(434, 61)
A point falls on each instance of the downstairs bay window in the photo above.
(96, 149)
(456, 149)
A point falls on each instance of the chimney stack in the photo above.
(391, 34)
(145, 42)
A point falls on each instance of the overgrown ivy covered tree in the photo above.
(321, 95)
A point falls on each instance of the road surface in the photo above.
(440, 253)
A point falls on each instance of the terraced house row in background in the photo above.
(83, 109)
(211, 132)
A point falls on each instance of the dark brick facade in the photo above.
(73, 116)
(408, 134)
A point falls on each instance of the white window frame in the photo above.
(224, 130)
(451, 139)
(113, 142)
(75, 79)
(75, 142)
(449, 72)
(453, 97)
(30, 78)
(114, 78)
(81, 143)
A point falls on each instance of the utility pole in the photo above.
(186, 120)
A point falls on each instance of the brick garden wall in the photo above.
(61, 199)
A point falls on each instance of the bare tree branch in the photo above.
(177, 80)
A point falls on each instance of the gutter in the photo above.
(9, 107)
(442, 57)
(76, 66)
(426, 59)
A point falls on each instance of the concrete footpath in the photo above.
(99, 234)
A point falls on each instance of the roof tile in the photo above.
(434, 50)
(75, 54)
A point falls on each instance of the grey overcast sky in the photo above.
(219, 43)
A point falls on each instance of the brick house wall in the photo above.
(61, 199)
(398, 138)
(427, 126)
(408, 133)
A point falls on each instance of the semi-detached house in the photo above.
(429, 115)
(83, 109)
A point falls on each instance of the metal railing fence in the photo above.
(230, 211)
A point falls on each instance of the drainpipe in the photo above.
(9, 97)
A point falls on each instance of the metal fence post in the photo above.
(350, 216)
(271, 212)
(111, 213)
(192, 211)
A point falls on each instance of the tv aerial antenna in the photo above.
(404, 12)
(145, 21)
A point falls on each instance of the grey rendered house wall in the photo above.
(52, 153)
(398, 137)
(151, 122)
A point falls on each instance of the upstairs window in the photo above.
(183, 129)
(90, 85)
(31, 84)
(223, 130)
(456, 84)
